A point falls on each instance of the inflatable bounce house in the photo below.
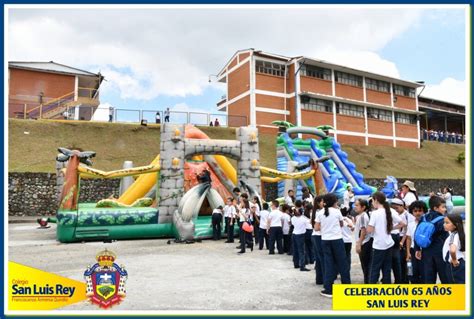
(169, 197)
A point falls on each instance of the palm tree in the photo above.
(70, 191)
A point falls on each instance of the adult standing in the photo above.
(409, 194)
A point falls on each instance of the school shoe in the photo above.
(241, 252)
(297, 266)
(304, 269)
(326, 294)
(229, 241)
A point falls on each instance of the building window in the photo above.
(377, 85)
(350, 79)
(316, 72)
(378, 114)
(312, 104)
(350, 109)
(270, 68)
(403, 90)
(405, 118)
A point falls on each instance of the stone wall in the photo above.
(32, 194)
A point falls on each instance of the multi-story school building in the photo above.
(363, 107)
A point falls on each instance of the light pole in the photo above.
(297, 111)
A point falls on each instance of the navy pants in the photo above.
(276, 236)
(216, 226)
(309, 259)
(381, 260)
(335, 261)
(347, 249)
(433, 264)
(319, 258)
(230, 231)
(456, 275)
(299, 251)
(262, 236)
(365, 257)
(286, 243)
(417, 265)
(396, 264)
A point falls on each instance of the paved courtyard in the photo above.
(201, 276)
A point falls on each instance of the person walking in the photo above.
(167, 115)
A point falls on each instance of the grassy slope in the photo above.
(115, 143)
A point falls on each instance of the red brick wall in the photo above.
(380, 142)
(267, 130)
(380, 127)
(290, 104)
(404, 102)
(350, 123)
(232, 63)
(310, 84)
(239, 81)
(349, 92)
(270, 82)
(348, 139)
(242, 56)
(265, 118)
(270, 101)
(314, 118)
(378, 97)
(240, 107)
(290, 82)
(406, 130)
(407, 144)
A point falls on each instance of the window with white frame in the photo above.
(350, 79)
(270, 68)
(403, 90)
(349, 109)
(379, 114)
(312, 104)
(377, 85)
(405, 118)
(316, 72)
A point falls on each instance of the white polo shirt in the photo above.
(346, 231)
(409, 198)
(229, 211)
(285, 219)
(330, 226)
(317, 232)
(453, 239)
(362, 221)
(263, 214)
(275, 216)
(411, 232)
(378, 220)
(299, 224)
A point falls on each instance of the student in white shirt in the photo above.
(290, 198)
(274, 229)
(229, 215)
(308, 245)
(285, 224)
(216, 223)
(257, 207)
(408, 193)
(347, 229)
(348, 198)
(244, 216)
(299, 222)
(262, 229)
(454, 249)
(399, 265)
(335, 261)
(307, 197)
(417, 209)
(363, 238)
(316, 240)
(381, 223)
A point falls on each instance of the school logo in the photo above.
(105, 280)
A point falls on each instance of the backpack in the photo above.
(424, 231)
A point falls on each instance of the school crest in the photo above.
(105, 280)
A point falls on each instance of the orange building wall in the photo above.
(290, 103)
(350, 123)
(380, 127)
(314, 118)
(242, 56)
(407, 144)
(404, 102)
(270, 101)
(406, 130)
(290, 81)
(349, 92)
(239, 81)
(310, 84)
(232, 63)
(380, 142)
(264, 118)
(353, 140)
(269, 82)
(238, 109)
(378, 97)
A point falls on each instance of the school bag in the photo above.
(425, 230)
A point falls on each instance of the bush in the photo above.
(461, 157)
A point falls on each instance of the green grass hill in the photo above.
(32, 147)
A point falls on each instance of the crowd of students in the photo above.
(405, 238)
(443, 136)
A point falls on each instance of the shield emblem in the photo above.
(106, 284)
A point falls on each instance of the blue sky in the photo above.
(163, 57)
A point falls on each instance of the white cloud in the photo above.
(449, 90)
(147, 53)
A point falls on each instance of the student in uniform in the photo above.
(399, 251)
(382, 221)
(299, 222)
(417, 209)
(454, 249)
(363, 238)
(290, 198)
(330, 224)
(262, 229)
(432, 256)
(229, 217)
(274, 229)
(285, 220)
(316, 240)
(347, 229)
(307, 197)
(309, 253)
(244, 216)
(216, 223)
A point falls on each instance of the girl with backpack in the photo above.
(335, 261)
(382, 221)
(363, 238)
(454, 249)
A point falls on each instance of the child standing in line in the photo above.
(299, 223)
(454, 249)
(363, 238)
(347, 228)
(417, 209)
(285, 219)
(316, 240)
(309, 254)
(262, 229)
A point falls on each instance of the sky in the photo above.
(162, 56)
